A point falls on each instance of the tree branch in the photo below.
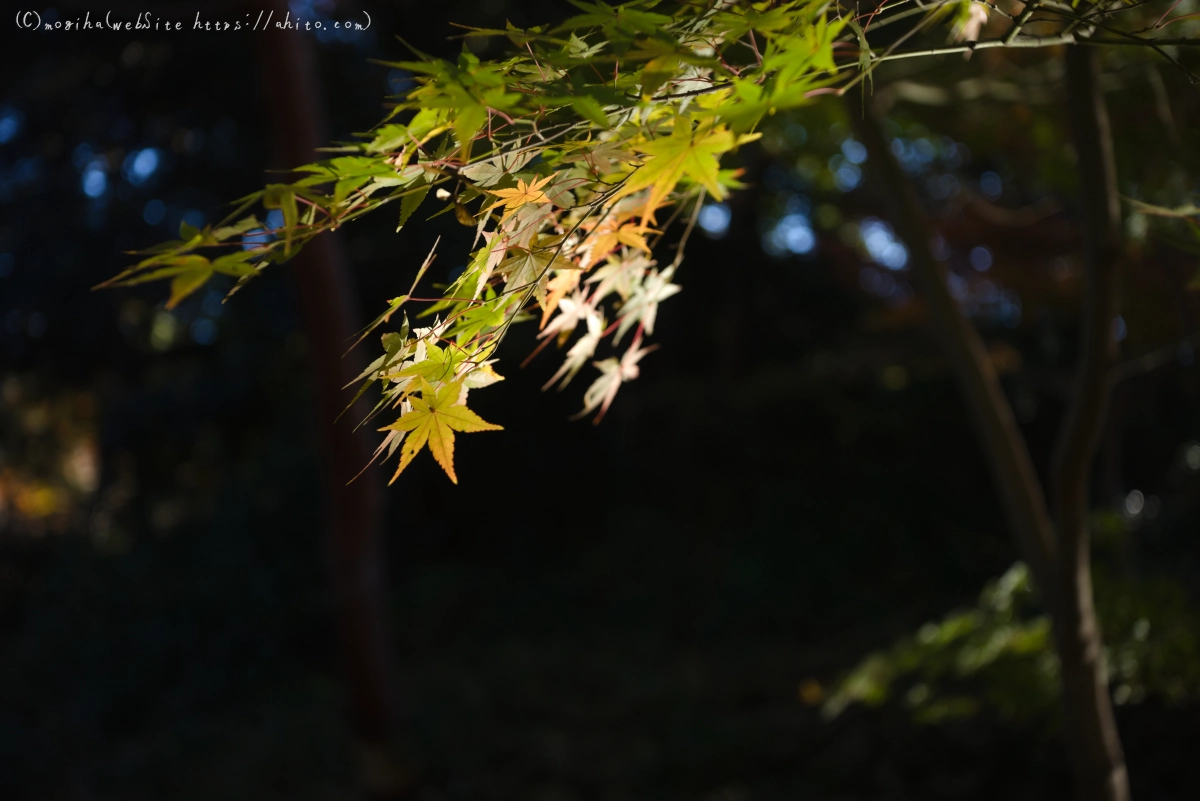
(1018, 43)
(1154, 360)
(1030, 7)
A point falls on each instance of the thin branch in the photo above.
(1030, 7)
(1021, 42)
(1156, 44)
(1155, 359)
(687, 233)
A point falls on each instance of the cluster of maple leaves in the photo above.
(562, 157)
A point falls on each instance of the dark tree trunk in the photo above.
(354, 509)
(1098, 762)
(1057, 548)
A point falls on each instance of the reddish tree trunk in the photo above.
(329, 315)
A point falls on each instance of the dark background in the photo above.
(617, 611)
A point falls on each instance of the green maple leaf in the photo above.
(433, 420)
(188, 282)
(681, 154)
(487, 316)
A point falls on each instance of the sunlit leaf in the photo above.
(433, 420)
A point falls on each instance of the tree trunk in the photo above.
(1061, 565)
(1004, 445)
(329, 316)
(1098, 763)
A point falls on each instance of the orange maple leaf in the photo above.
(524, 194)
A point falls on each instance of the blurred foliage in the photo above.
(1000, 653)
(996, 642)
(49, 459)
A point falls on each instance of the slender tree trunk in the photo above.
(354, 509)
(1097, 759)
(1004, 445)
(1060, 564)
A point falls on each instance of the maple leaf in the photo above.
(559, 286)
(571, 310)
(580, 352)
(676, 156)
(525, 267)
(480, 319)
(433, 420)
(524, 194)
(609, 237)
(619, 275)
(601, 158)
(642, 305)
(497, 245)
(614, 373)
(601, 236)
(478, 377)
(525, 226)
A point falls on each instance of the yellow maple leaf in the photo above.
(433, 420)
(524, 194)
